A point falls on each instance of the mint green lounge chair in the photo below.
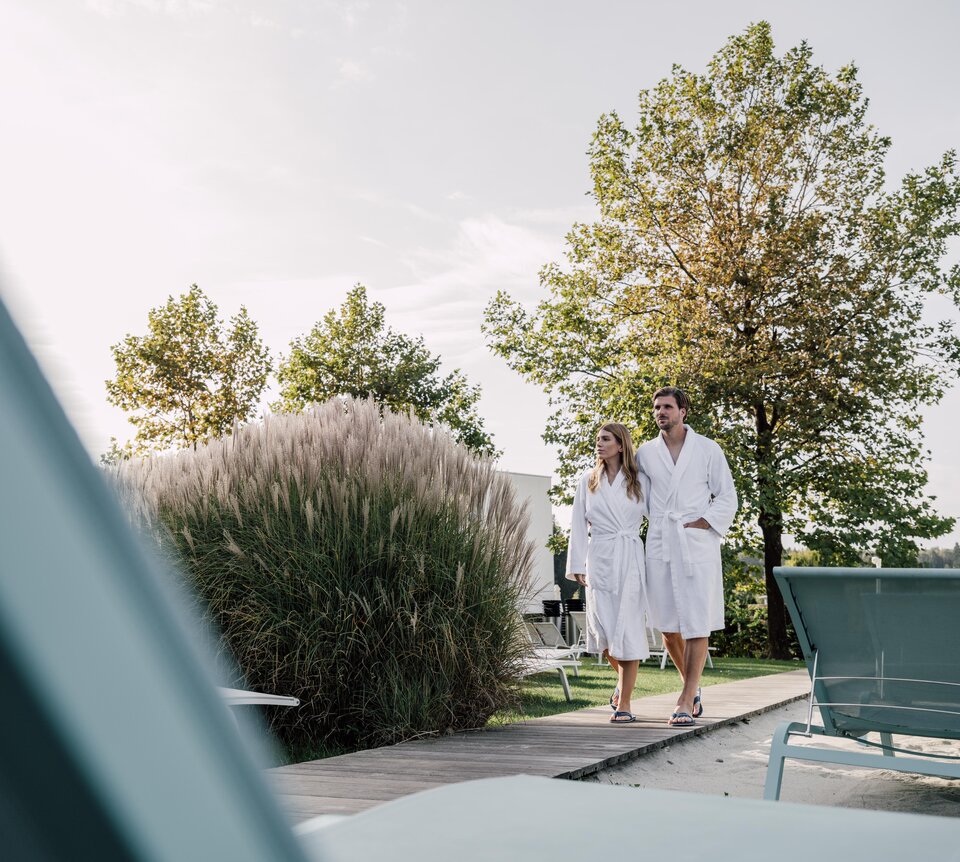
(883, 650)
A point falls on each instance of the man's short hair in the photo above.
(677, 394)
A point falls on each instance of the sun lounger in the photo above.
(517, 818)
(535, 665)
(883, 653)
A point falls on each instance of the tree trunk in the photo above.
(778, 642)
(771, 525)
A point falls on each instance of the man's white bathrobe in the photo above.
(605, 545)
(684, 574)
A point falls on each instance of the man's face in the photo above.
(667, 414)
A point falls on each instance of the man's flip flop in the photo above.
(616, 719)
(615, 697)
(681, 719)
(697, 705)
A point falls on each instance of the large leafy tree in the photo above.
(351, 352)
(749, 248)
(189, 378)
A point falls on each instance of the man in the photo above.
(692, 504)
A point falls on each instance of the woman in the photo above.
(610, 502)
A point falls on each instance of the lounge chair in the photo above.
(532, 819)
(535, 665)
(549, 658)
(883, 653)
(579, 620)
(239, 697)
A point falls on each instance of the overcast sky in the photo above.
(276, 153)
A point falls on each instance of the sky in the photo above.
(277, 153)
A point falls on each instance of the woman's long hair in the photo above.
(622, 435)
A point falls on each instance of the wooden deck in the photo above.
(569, 745)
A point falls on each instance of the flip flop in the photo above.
(615, 697)
(681, 719)
(615, 718)
(697, 705)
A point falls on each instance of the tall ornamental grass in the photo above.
(364, 563)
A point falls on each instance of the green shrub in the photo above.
(364, 563)
(745, 635)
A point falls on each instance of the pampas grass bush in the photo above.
(364, 563)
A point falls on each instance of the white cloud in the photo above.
(351, 71)
(351, 11)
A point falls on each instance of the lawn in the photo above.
(543, 695)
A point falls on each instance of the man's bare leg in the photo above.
(673, 643)
(694, 657)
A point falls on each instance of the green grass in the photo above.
(542, 695)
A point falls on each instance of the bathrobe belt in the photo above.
(626, 541)
(676, 520)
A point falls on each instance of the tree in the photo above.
(351, 353)
(749, 250)
(188, 379)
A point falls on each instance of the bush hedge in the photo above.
(358, 560)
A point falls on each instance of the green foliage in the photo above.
(748, 249)
(352, 353)
(745, 634)
(117, 453)
(364, 563)
(187, 379)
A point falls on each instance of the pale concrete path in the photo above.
(569, 745)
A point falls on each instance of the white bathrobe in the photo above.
(684, 573)
(612, 560)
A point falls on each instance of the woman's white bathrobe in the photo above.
(684, 574)
(605, 545)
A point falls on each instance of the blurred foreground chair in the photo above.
(113, 739)
(503, 819)
(883, 652)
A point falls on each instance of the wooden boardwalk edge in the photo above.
(569, 745)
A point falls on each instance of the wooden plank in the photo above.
(570, 745)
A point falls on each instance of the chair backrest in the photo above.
(550, 635)
(654, 639)
(882, 646)
(114, 742)
(580, 620)
(533, 634)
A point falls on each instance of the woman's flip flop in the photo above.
(615, 699)
(681, 719)
(697, 705)
(616, 719)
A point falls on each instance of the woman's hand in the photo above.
(581, 579)
(699, 524)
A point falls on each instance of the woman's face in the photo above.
(607, 445)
